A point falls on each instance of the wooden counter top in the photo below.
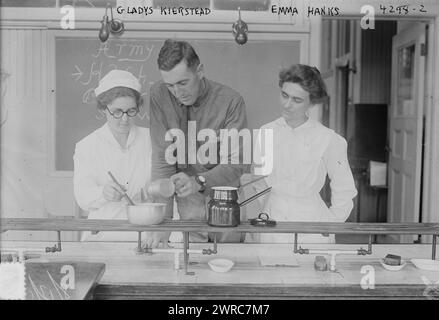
(129, 275)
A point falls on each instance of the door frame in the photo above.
(430, 200)
(416, 36)
(430, 173)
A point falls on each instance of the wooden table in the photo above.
(132, 276)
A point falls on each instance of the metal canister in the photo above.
(223, 208)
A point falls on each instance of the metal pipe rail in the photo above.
(74, 224)
(333, 252)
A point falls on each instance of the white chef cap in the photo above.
(118, 78)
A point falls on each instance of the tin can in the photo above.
(223, 208)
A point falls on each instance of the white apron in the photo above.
(99, 153)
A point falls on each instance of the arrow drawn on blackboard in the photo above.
(80, 73)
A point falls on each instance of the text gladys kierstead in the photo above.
(164, 11)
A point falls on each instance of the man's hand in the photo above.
(112, 192)
(153, 239)
(185, 185)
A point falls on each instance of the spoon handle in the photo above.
(252, 198)
(124, 194)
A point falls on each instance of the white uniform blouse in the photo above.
(99, 153)
(301, 159)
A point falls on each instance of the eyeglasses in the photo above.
(119, 113)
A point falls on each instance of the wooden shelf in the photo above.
(69, 224)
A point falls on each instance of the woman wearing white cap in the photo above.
(118, 146)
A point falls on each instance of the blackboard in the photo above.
(81, 62)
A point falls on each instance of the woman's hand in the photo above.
(112, 192)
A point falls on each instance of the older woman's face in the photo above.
(123, 124)
(294, 101)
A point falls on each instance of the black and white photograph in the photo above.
(242, 151)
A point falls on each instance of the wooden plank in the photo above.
(68, 224)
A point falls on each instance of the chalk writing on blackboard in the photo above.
(125, 54)
(103, 48)
(79, 73)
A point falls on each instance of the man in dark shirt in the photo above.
(185, 98)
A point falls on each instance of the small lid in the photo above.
(225, 188)
(263, 220)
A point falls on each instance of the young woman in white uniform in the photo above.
(304, 152)
(118, 146)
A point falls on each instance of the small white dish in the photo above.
(393, 268)
(426, 264)
(221, 265)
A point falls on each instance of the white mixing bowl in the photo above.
(146, 213)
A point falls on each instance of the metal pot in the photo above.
(224, 209)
